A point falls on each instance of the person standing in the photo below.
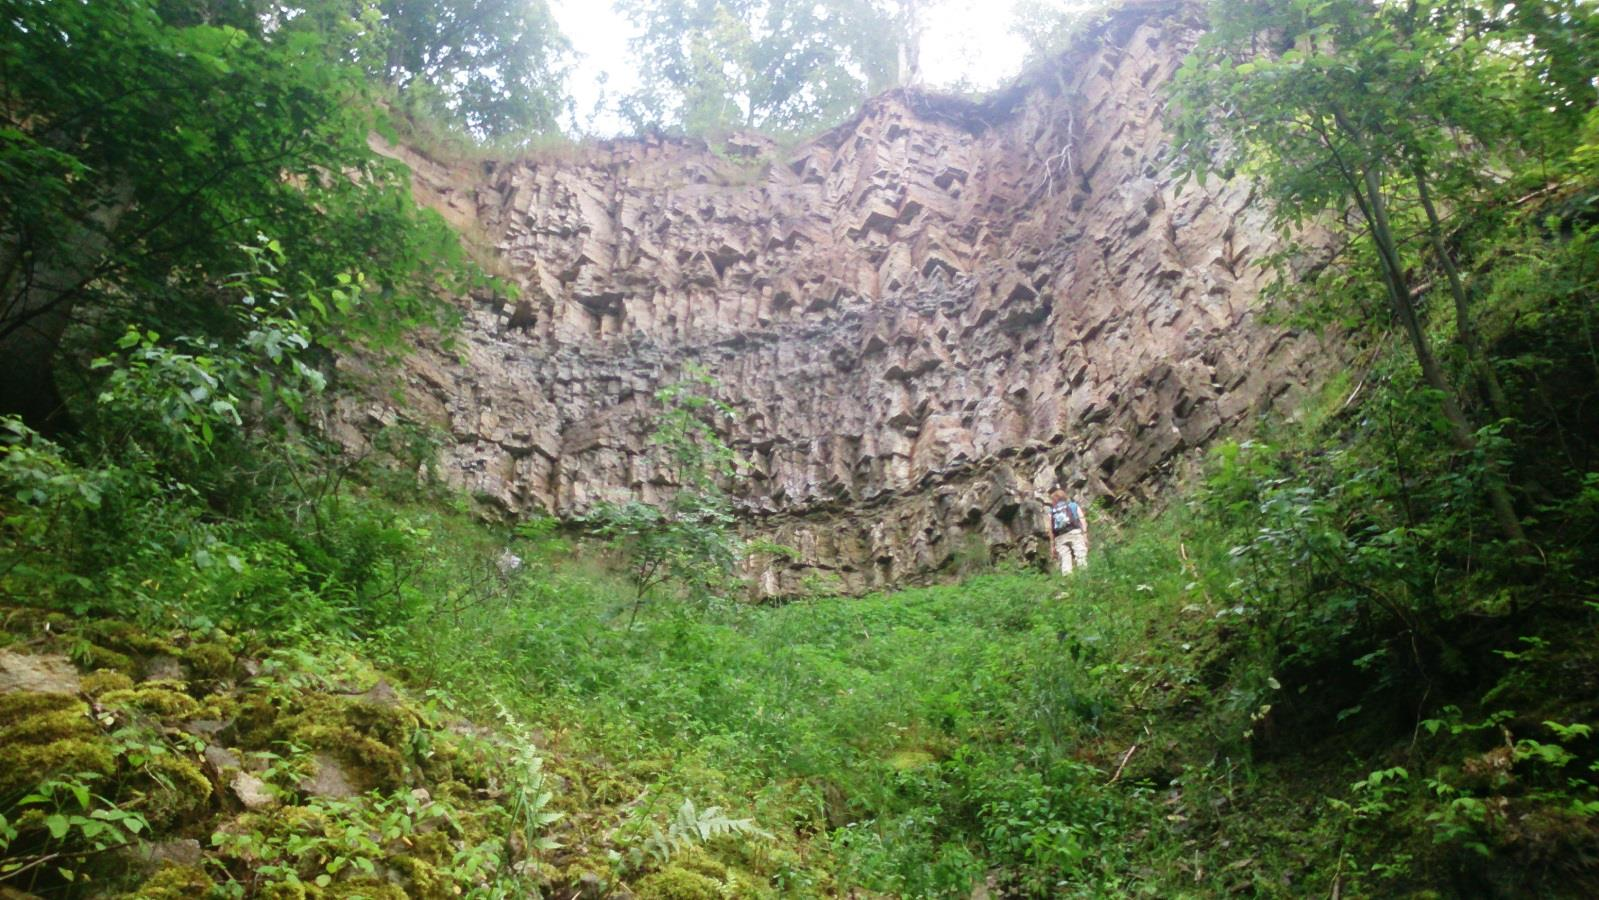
(1068, 532)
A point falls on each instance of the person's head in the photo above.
(1057, 495)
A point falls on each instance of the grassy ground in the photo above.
(1040, 735)
(1139, 729)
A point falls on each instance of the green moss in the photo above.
(130, 637)
(433, 847)
(905, 760)
(365, 889)
(21, 705)
(178, 791)
(210, 659)
(450, 760)
(370, 764)
(593, 785)
(101, 681)
(46, 726)
(23, 766)
(426, 882)
(695, 860)
(162, 698)
(676, 883)
(454, 792)
(222, 707)
(575, 869)
(93, 656)
(255, 722)
(174, 883)
(300, 820)
(282, 891)
(366, 737)
(45, 735)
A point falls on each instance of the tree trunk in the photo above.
(1465, 329)
(1461, 433)
(36, 305)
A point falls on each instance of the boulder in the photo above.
(39, 674)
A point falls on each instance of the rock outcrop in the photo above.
(920, 317)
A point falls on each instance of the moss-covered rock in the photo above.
(365, 889)
(424, 881)
(432, 847)
(220, 707)
(369, 763)
(695, 860)
(129, 637)
(93, 656)
(161, 698)
(210, 659)
(675, 883)
(733, 882)
(177, 791)
(47, 734)
(174, 883)
(367, 738)
(102, 681)
(572, 870)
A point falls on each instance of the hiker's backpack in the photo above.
(1065, 516)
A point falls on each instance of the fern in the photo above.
(692, 826)
(529, 799)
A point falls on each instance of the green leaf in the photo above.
(58, 826)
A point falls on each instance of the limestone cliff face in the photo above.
(921, 317)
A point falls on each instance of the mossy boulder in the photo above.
(369, 763)
(367, 738)
(424, 881)
(218, 707)
(676, 883)
(165, 699)
(174, 883)
(102, 681)
(175, 790)
(432, 847)
(596, 867)
(210, 659)
(48, 734)
(696, 860)
(93, 656)
(363, 888)
(129, 637)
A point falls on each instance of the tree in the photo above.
(777, 65)
(138, 155)
(490, 68)
(1048, 26)
(689, 541)
(1339, 105)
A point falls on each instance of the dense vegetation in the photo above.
(1355, 656)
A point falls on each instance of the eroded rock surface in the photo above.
(921, 317)
(40, 674)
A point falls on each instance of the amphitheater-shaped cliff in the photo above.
(922, 316)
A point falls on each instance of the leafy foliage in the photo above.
(1395, 112)
(691, 540)
(776, 65)
(145, 146)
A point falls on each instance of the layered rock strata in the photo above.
(921, 317)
